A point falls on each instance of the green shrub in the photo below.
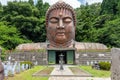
(105, 65)
(3, 54)
(27, 62)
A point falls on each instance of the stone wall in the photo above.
(39, 57)
(81, 58)
(115, 69)
(89, 58)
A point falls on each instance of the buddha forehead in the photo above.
(60, 12)
(60, 8)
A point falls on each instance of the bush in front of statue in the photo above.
(30, 64)
(104, 65)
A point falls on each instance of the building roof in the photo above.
(78, 46)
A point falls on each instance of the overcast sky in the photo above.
(73, 3)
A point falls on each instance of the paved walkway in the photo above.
(59, 72)
(77, 78)
(67, 74)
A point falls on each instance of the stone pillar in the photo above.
(115, 68)
(0, 52)
(1, 67)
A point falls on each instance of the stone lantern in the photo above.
(61, 61)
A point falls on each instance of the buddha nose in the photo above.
(60, 24)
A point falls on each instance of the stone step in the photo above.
(70, 75)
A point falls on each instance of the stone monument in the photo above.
(60, 27)
(1, 68)
(1, 71)
(115, 68)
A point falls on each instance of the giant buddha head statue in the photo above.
(60, 25)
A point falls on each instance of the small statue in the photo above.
(60, 25)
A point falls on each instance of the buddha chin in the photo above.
(60, 38)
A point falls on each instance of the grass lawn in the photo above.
(27, 75)
(96, 73)
(45, 72)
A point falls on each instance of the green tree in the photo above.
(0, 5)
(30, 27)
(109, 7)
(40, 7)
(35, 12)
(46, 6)
(31, 2)
(1, 10)
(26, 19)
(118, 8)
(86, 16)
(18, 8)
(9, 37)
(109, 35)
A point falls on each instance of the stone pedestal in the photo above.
(115, 68)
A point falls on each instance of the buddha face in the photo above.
(60, 26)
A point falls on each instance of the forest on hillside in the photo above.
(24, 22)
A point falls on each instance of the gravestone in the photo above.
(23, 67)
(35, 63)
(9, 68)
(26, 66)
(17, 70)
(13, 68)
(5, 64)
(115, 68)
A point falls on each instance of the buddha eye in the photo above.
(67, 20)
(53, 20)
